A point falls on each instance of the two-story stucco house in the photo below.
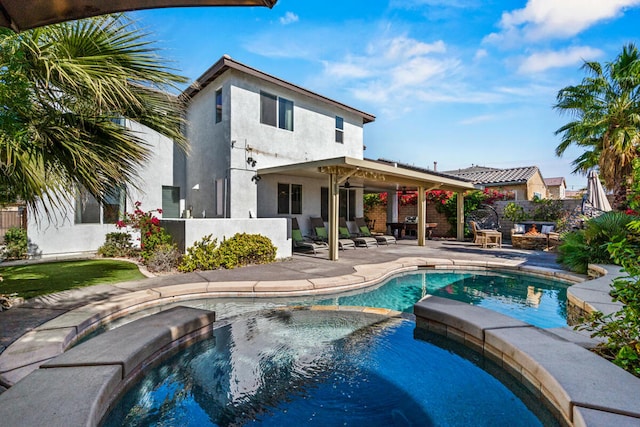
(263, 150)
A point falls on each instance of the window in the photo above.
(89, 210)
(289, 199)
(268, 107)
(276, 111)
(339, 130)
(170, 202)
(218, 105)
(347, 208)
(285, 114)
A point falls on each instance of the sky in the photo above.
(457, 82)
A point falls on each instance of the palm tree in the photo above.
(606, 107)
(64, 90)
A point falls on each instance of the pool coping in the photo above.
(80, 386)
(580, 387)
(52, 338)
(49, 340)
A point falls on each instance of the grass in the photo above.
(32, 280)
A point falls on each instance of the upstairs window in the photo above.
(219, 105)
(285, 114)
(339, 130)
(275, 111)
(290, 199)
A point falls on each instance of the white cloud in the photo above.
(544, 19)
(480, 53)
(393, 69)
(479, 119)
(289, 18)
(541, 61)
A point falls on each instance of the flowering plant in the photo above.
(151, 233)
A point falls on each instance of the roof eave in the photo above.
(226, 62)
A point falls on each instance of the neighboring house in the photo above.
(556, 187)
(262, 150)
(525, 182)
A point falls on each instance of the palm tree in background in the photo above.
(64, 90)
(606, 108)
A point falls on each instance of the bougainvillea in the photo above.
(151, 233)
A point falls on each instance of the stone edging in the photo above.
(580, 388)
(52, 338)
(78, 387)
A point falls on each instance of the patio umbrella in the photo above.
(20, 15)
(596, 196)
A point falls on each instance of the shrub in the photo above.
(117, 244)
(622, 328)
(547, 209)
(573, 252)
(165, 257)
(200, 256)
(582, 247)
(16, 243)
(244, 249)
(151, 234)
(241, 249)
(514, 212)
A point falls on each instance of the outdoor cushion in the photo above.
(321, 232)
(297, 235)
(546, 229)
(344, 232)
(364, 230)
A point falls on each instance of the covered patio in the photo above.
(375, 177)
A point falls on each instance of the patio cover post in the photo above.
(422, 216)
(460, 216)
(334, 202)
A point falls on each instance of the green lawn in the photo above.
(29, 281)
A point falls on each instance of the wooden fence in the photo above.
(12, 216)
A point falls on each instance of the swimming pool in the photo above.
(538, 301)
(535, 300)
(307, 367)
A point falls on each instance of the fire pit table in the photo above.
(536, 242)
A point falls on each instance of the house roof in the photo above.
(227, 63)
(554, 182)
(494, 176)
(421, 169)
(20, 15)
(372, 175)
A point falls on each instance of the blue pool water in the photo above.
(540, 302)
(303, 367)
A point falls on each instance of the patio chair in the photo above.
(485, 237)
(384, 239)
(321, 234)
(343, 231)
(304, 244)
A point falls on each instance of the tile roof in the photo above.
(551, 182)
(488, 176)
(420, 169)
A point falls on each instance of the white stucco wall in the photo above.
(221, 150)
(57, 234)
(311, 199)
(275, 229)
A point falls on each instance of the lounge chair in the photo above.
(321, 234)
(302, 243)
(383, 239)
(343, 231)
